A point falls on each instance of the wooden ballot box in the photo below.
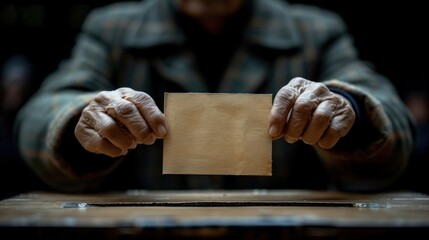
(243, 214)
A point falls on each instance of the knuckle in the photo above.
(125, 90)
(92, 143)
(321, 119)
(106, 146)
(277, 117)
(106, 130)
(143, 98)
(294, 129)
(337, 131)
(320, 89)
(102, 97)
(299, 115)
(298, 80)
(152, 113)
(125, 109)
(142, 133)
(303, 106)
(86, 116)
(122, 139)
(350, 113)
(286, 93)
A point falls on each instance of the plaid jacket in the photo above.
(138, 45)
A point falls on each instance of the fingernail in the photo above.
(273, 131)
(161, 130)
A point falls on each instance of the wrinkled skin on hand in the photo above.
(309, 111)
(116, 121)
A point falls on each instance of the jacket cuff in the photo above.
(371, 127)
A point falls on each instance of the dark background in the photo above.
(393, 36)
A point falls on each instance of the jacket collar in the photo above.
(269, 27)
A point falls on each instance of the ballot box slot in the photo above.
(213, 204)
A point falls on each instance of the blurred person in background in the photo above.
(96, 122)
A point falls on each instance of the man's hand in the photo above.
(309, 111)
(116, 121)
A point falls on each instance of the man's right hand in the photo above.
(116, 121)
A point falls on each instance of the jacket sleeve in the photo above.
(376, 151)
(45, 125)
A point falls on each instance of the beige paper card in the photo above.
(217, 134)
